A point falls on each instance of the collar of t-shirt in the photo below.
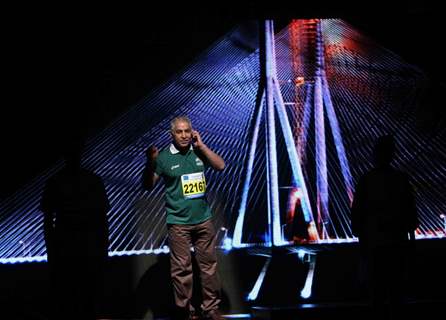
(174, 150)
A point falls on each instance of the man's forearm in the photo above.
(149, 177)
(212, 158)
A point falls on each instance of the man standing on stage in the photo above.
(189, 223)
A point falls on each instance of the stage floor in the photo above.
(138, 287)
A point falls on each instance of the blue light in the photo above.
(267, 238)
(301, 254)
(255, 290)
(305, 293)
(165, 249)
(23, 260)
(237, 316)
(227, 244)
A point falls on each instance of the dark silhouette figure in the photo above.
(75, 206)
(384, 219)
(159, 302)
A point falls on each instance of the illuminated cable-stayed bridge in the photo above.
(332, 92)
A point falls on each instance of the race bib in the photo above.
(194, 185)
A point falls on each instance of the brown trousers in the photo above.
(202, 238)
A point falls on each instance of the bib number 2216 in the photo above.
(193, 184)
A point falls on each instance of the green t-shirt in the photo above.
(185, 182)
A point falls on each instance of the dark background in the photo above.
(72, 70)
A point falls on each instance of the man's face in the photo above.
(182, 134)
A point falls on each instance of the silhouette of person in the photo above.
(159, 303)
(384, 218)
(75, 205)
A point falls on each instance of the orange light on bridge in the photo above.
(299, 81)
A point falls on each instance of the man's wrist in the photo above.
(202, 147)
(151, 164)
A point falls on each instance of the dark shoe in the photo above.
(194, 316)
(213, 315)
